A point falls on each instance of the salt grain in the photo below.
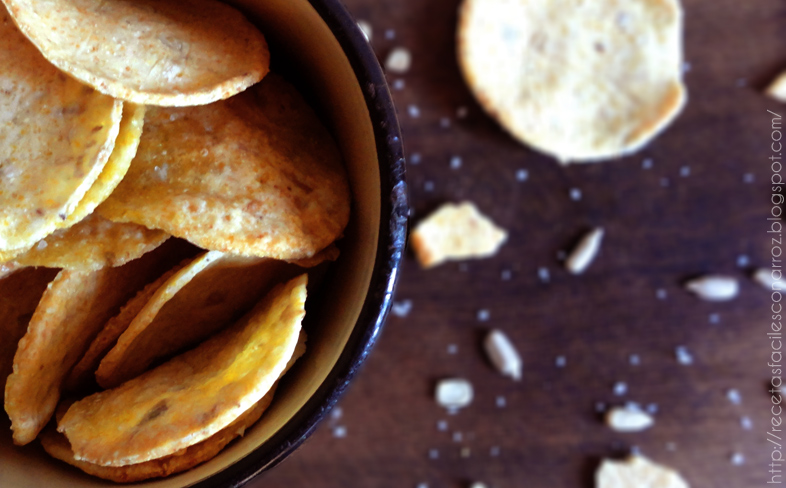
(683, 356)
(506, 275)
(544, 275)
(458, 436)
(664, 182)
(336, 413)
(444, 122)
(478, 484)
(339, 432)
(743, 261)
(442, 425)
(501, 402)
(455, 162)
(620, 388)
(685, 171)
(560, 361)
(737, 459)
(433, 454)
(452, 349)
(734, 396)
(746, 423)
(600, 407)
(647, 163)
(748, 178)
(428, 185)
(522, 175)
(575, 194)
(413, 111)
(399, 84)
(714, 318)
(483, 315)
(494, 451)
(634, 359)
(402, 308)
(390, 34)
(415, 158)
(661, 294)
(652, 408)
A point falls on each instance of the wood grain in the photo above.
(661, 228)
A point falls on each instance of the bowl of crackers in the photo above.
(202, 216)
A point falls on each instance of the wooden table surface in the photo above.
(700, 208)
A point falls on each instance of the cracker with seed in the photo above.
(194, 395)
(257, 175)
(581, 81)
(71, 312)
(207, 295)
(455, 232)
(56, 136)
(637, 472)
(152, 52)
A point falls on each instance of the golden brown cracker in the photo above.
(152, 52)
(19, 296)
(256, 175)
(194, 395)
(58, 447)
(581, 81)
(56, 136)
(71, 312)
(212, 292)
(92, 244)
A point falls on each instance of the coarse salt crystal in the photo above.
(454, 393)
(402, 308)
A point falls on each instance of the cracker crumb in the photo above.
(455, 232)
(399, 60)
(632, 472)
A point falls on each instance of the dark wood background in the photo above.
(662, 227)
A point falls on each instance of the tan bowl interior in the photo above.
(299, 34)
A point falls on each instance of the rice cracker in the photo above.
(194, 395)
(56, 136)
(579, 80)
(152, 52)
(71, 312)
(256, 175)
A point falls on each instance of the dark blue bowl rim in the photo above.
(392, 240)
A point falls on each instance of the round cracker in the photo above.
(256, 175)
(71, 312)
(57, 446)
(153, 52)
(579, 80)
(56, 136)
(207, 295)
(92, 244)
(194, 395)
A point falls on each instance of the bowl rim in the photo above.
(394, 214)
